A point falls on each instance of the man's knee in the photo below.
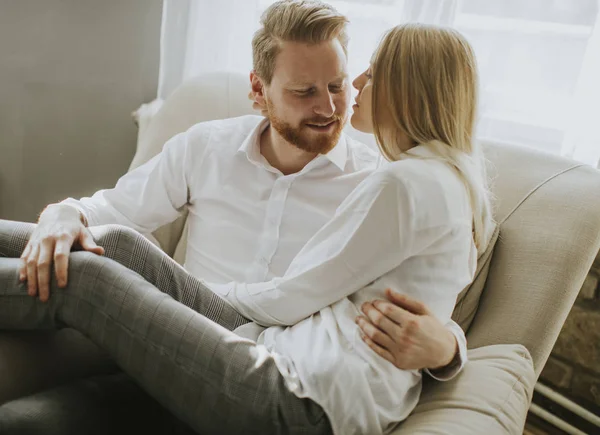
(110, 236)
(121, 242)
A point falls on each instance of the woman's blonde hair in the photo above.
(309, 21)
(425, 87)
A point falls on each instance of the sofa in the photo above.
(547, 213)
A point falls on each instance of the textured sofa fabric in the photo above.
(492, 395)
(547, 211)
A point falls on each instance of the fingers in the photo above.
(378, 349)
(61, 261)
(87, 242)
(32, 259)
(394, 313)
(23, 269)
(383, 320)
(406, 302)
(44, 263)
(375, 334)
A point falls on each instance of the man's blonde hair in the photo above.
(425, 85)
(308, 21)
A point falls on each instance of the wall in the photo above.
(573, 368)
(71, 72)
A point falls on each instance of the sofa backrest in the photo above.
(547, 210)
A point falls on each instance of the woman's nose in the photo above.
(358, 82)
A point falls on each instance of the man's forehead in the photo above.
(301, 63)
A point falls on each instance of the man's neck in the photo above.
(281, 154)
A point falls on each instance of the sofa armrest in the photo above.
(491, 395)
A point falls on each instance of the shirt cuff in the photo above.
(88, 221)
(456, 365)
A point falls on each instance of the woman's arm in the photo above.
(370, 234)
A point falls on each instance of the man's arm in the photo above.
(143, 199)
(446, 372)
(147, 197)
(406, 333)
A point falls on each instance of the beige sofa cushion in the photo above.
(491, 396)
(468, 300)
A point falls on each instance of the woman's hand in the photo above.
(404, 332)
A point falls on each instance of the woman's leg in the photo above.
(203, 373)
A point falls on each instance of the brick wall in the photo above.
(573, 368)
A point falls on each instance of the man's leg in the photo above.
(133, 251)
(203, 373)
(31, 361)
(108, 404)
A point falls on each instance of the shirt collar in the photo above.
(339, 154)
(425, 150)
(251, 147)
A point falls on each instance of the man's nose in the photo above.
(324, 105)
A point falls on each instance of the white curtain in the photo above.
(539, 59)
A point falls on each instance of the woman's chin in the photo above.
(357, 123)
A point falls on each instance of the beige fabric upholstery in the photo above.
(548, 214)
(491, 396)
(548, 209)
(468, 300)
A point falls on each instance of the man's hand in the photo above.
(59, 228)
(406, 333)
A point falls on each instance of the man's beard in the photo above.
(302, 137)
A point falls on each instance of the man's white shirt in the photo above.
(248, 223)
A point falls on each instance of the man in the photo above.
(256, 189)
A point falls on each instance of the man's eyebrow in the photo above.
(302, 84)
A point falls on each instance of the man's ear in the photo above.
(258, 88)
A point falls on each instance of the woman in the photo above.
(415, 224)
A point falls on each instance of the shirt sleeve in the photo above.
(371, 233)
(458, 363)
(146, 198)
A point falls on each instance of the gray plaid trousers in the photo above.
(165, 329)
